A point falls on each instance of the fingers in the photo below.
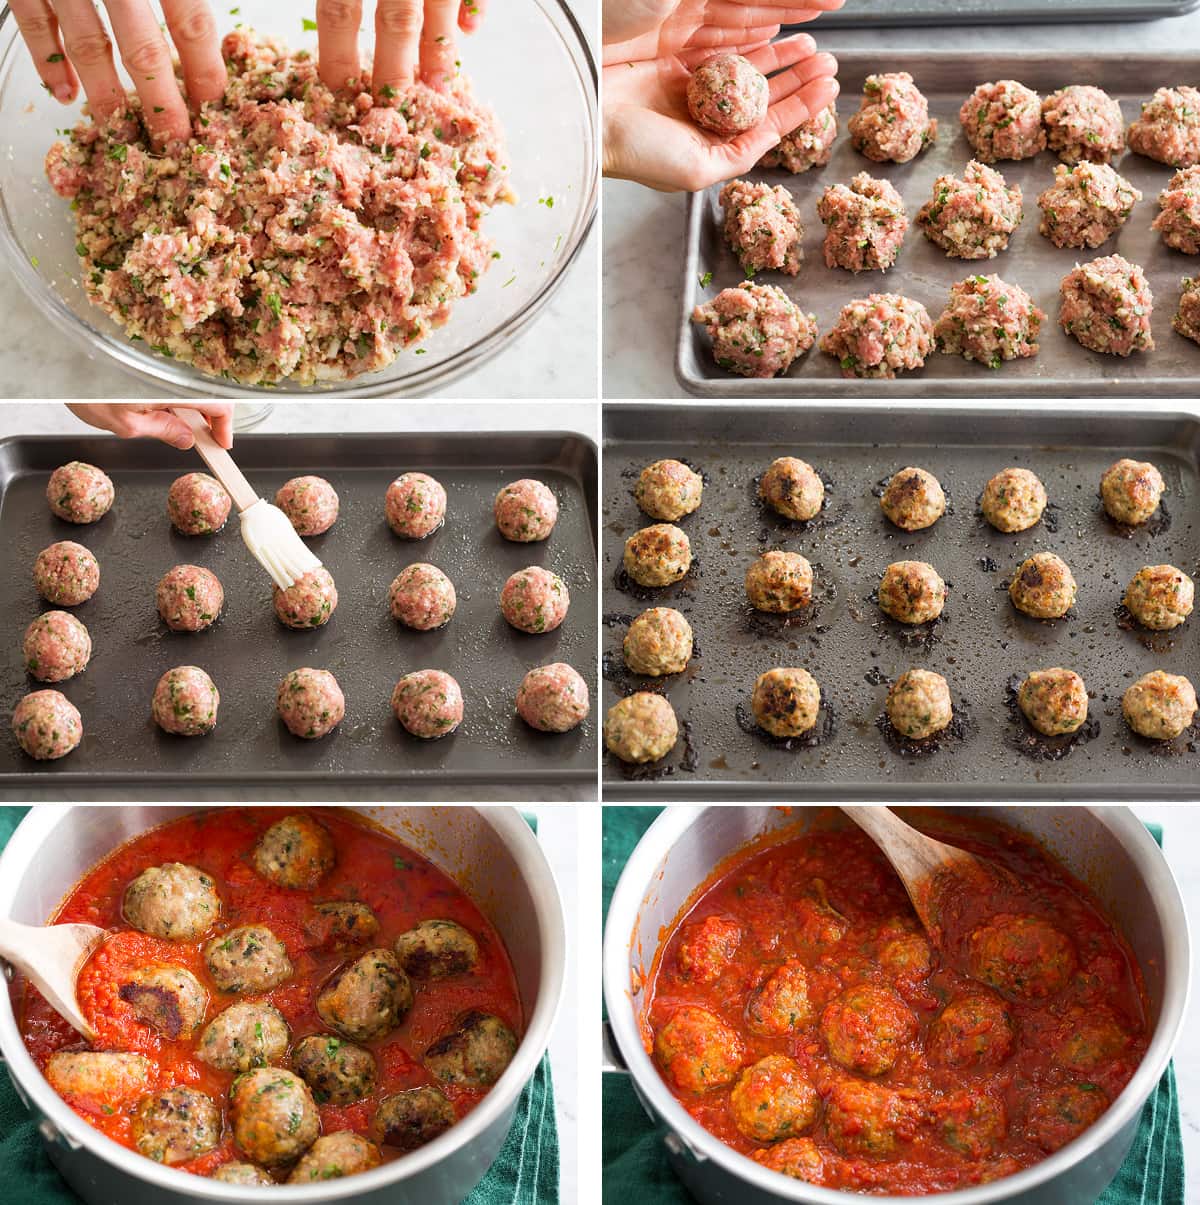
(785, 52)
(90, 52)
(800, 105)
(795, 75)
(219, 416)
(761, 12)
(39, 28)
(337, 40)
(691, 59)
(710, 36)
(194, 33)
(438, 53)
(397, 44)
(470, 15)
(158, 424)
(147, 58)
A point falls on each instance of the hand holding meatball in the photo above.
(727, 94)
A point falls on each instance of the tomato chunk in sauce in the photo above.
(799, 1013)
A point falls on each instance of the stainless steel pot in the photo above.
(1105, 847)
(490, 852)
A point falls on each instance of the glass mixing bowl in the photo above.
(529, 60)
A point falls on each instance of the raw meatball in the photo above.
(1024, 957)
(779, 582)
(792, 488)
(975, 1030)
(971, 217)
(911, 592)
(368, 999)
(525, 511)
(1179, 220)
(707, 947)
(415, 506)
(1083, 122)
(185, 702)
(810, 144)
(1003, 121)
(247, 959)
(189, 598)
(175, 901)
(47, 725)
(1054, 701)
(79, 493)
(295, 852)
(1043, 586)
(1160, 597)
(308, 602)
(773, 1099)
(668, 490)
(56, 647)
(109, 1077)
(534, 600)
(1187, 317)
(66, 574)
(410, 1119)
(786, 702)
(310, 702)
(658, 555)
(892, 123)
(169, 999)
(780, 1004)
(1168, 127)
(879, 336)
(474, 1053)
(870, 1121)
(867, 1028)
(865, 224)
(337, 1072)
(553, 698)
(918, 704)
(1013, 500)
(311, 504)
(176, 1125)
(1063, 1113)
(246, 1035)
(762, 227)
(913, 499)
(641, 728)
(197, 504)
(1131, 490)
(341, 926)
(422, 597)
(273, 1115)
(989, 320)
(698, 1051)
(428, 703)
(1086, 205)
(1159, 705)
(727, 94)
(1106, 305)
(343, 1153)
(659, 641)
(436, 949)
(242, 1173)
(756, 330)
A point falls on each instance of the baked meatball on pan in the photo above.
(889, 614)
(987, 108)
(247, 651)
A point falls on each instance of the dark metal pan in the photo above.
(854, 651)
(860, 14)
(248, 651)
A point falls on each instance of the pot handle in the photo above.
(611, 1060)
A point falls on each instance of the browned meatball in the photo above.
(246, 1035)
(173, 901)
(913, 499)
(697, 1050)
(1022, 956)
(176, 1125)
(911, 592)
(706, 947)
(867, 1028)
(786, 702)
(773, 1099)
(1043, 587)
(780, 1004)
(368, 999)
(1054, 701)
(407, 1120)
(779, 582)
(793, 488)
(1160, 597)
(1159, 706)
(870, 1121)
(338, 1072)
(249, 958)
(1063, 1113)
(667, 490)
(342, 926)
(1013, 500)
(344, 1153)
(436, 949)
(658, 555)
(295, 852)
(273, 1115)
(919, 705)
(971, 1031)
(1131, 491)
(474, 1052)
(973, 1121)
(169, 999)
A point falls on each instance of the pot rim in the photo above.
(638, 879)
(510, 826)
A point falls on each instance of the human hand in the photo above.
(131, 421)
(650, 137)
(70, 45)
(411, 36)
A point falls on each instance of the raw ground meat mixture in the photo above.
(810, 144)
(757, 330)
(989, 320)
(971, 217)
(1106, 305)
(880, 335)
(1083, 122)
(1168, 128)
(727, 94)
(1179, 221)
(892, 124)
(1003, 121)
(865, 224)
(1086, 204)
(298, 233)
(1187, 317)
(762, 226)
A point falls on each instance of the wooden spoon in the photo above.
(50, 957)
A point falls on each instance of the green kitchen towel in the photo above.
(635, 1161)
(524, 1173)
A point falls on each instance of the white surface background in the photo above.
(644, 230)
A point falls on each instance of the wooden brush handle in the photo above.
(217, 459)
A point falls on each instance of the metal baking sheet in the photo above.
(853, 650)
(248, 651)
(859, 14)
(1062, 368)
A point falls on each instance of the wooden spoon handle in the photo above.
(217, 459)
(51, 967)
(911, 852)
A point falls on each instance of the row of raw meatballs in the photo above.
(274, 1098)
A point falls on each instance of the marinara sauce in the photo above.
(799, 1014)
(400, 886)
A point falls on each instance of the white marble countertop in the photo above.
(644, 230)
